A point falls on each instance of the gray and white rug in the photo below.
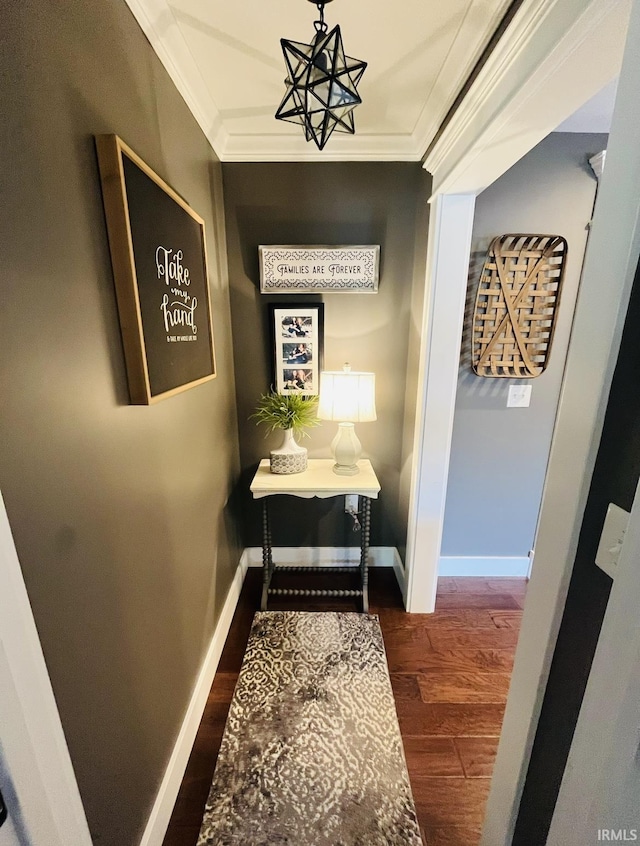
(311, 753)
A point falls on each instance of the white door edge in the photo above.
(603, 755)
(33, 744)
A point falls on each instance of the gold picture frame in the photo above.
(159, 256)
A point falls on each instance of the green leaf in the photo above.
(286, 411)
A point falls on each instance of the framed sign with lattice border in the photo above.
(309, 270)
(516, 305)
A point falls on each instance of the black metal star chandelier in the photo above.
(321, 83)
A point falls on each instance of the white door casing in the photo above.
(544, 58)
(36, 775)
(450, 228)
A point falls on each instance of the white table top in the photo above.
(317, 480)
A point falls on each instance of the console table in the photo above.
(318, 480)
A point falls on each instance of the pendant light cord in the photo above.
(320, 25)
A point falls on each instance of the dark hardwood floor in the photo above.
(450, 675)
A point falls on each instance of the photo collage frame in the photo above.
(298, 347)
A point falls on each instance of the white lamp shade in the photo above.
(347, 396)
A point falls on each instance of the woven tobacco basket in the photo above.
(516, 305)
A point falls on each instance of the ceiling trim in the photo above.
(508, 16)
(159, 25)
(287, 148)
(434, 115)
(161, 28)
(497, 71)
(546, 38)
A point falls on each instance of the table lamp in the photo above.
(348, 397)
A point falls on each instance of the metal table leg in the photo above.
(364, 552)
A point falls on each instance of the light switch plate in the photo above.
(519, 396)
(613, 531)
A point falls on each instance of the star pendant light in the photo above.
(321, 83)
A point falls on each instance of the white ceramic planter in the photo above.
(290, 457)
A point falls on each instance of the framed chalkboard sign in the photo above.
(159, 259)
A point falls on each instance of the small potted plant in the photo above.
(293, 413)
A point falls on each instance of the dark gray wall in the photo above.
(333, 203)
(119, 513)
(499, 455)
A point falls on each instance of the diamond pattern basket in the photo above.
(516, 305)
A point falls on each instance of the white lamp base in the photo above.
(347, 450)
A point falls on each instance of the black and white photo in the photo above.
(297, 338)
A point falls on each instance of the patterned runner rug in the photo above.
(311, 753)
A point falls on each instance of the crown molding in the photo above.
(496, 72)
(547, 39)
(161, 29)
(509, 73)
(435, 109)
(293, 148)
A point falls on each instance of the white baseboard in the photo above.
(490, 567)
(165, 800)
(401, 574)
(330, 556)
(323, 556)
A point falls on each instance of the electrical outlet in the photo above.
(351, 503)
(519, 396)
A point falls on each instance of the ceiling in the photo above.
(226, 60)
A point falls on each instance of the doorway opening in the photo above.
(478, 150)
